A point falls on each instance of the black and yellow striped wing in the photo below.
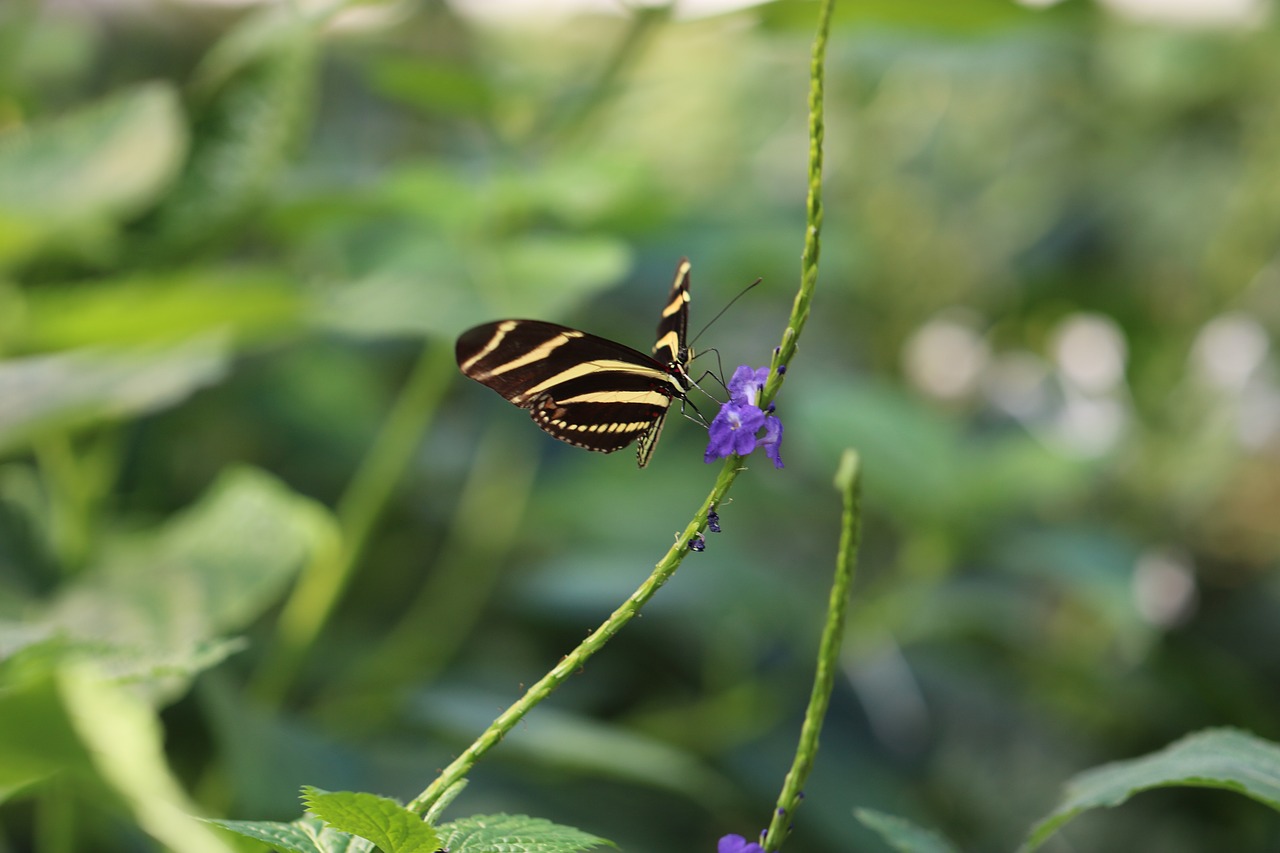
(582, 389)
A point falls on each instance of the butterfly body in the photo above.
(583, 389)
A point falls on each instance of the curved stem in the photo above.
(848, 481)
(666, 567)
(576, 659)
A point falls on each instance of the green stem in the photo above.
(332, 567)
(388, 459)
(848, 482)
(576, 659)
(847, 476)
(813, 210)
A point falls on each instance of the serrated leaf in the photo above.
(1216, 758)
(307, 834)
(390, 826)
(77, 388)
(126, 745)
(158, 609)
(903, 835)
(87, 171)
(503, 833)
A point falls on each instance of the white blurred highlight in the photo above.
(1091, 352)
(1193, 13)
(1164, 587)
(946, 356)
(891, 696)
(1090, 426)
(1229, 349)
(1259, 416)
(1019, 383)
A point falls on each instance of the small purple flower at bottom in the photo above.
(734, 429)
(738, 844)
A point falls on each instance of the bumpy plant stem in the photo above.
(666, 567)
(577, 658)
(848, 479)
(813, 210)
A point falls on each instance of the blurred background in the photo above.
(238, 467)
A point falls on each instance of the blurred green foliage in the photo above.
(240, 475)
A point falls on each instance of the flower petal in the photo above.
(738, 844)
(772, 440)
(746, 383)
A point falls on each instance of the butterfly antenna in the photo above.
(724, 309)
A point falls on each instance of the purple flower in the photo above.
(772, 441)
(746, 383)
(735, 427)
(733, 430)
(738, 844)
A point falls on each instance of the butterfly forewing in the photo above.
(582, 389)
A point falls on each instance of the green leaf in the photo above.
(957, 17)
(75, 178)
(268, 30)
(305, 835)
(389, 825)
(902, 835)
(36, 738)
(154, 611)
(160, 309)
(1216, 758)
(923, 465)
(515, 834)
(73, 389)
(431, 85)
(125, 742)
(412, 294)
(246, 134)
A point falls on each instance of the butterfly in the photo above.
(585, 390)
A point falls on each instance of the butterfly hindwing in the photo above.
(582, 389)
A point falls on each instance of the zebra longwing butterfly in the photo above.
(582, 389)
